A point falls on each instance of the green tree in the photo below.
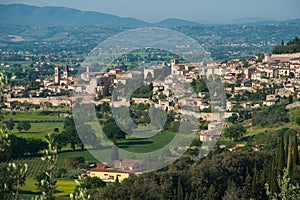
(92, 183)
(298, 120)
(167, 192)
(272, 182)
(211, 193)
(81, 192)
(26, 126)
(179, 190)
(234, 131)
(246, 190)
(233, 119)
(260, 58)
(5, 144)
(255, 182)
(295, 158)
(280, 154)
(287, 190)
(112, 131)
(46, 183)
(232, 192)
(17, 174)
(20, 127)
(61, 140)
(74, 161)
(13, 176)
(10, 125)
(70, 133)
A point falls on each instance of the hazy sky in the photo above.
(156, 10)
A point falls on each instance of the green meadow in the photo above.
(63, 187)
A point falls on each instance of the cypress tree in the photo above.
(254, 188)
(232, 192)
(117, 179)
(286, 148)
(295, 159)
(263, 180)
(198, 195)
(273, 177)
(280, 158)
(270, 172)
(179, 190)
(167, 192)
(211, 194)
(186, 196)
(246, 190)
(289, 156)
(229, 184)
(192, 196)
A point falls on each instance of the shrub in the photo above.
(74, 162)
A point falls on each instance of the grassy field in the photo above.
(225, 141)
(63, 187)
(146, 145)
(86, 154)
(30, 116)
(39, 130)
(135, 145)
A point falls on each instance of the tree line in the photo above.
(292, 46)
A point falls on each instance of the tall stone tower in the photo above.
(66, 72)
(267, 58)
(174, 62)
(57, 75)
(88, 69)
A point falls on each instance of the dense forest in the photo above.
(292, 46)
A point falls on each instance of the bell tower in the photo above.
(57, 75)
(66, 72)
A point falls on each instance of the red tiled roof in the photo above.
(110, 170)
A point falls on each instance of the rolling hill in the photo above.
(20, 14)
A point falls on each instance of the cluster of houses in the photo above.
(169, 82)
(49, 91)
(280, 70)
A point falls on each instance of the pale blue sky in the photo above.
(156, 10)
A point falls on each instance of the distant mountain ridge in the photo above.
(177, 22)
(20, 14)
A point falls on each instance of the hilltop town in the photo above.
(248, 83)
(148, 123)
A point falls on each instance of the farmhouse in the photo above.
(108, 174)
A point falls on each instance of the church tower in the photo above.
(66, 72)
(57, 75)
(174, 62)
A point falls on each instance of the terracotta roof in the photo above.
(100, 166)
(110, 170)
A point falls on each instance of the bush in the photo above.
(74, 162)
(61, 173)
(298, 120)
(270, 116)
